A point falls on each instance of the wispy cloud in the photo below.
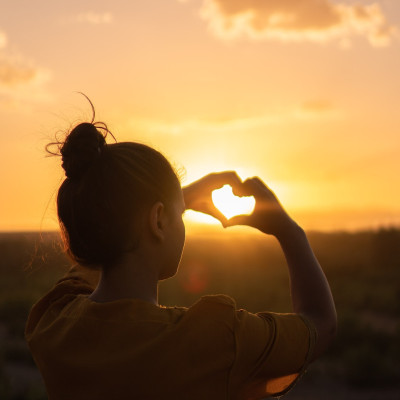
(298, 21)
(3, 40)
(202, 127)
(94, 18)
(15, 72)
(20, 79)
(317, 109)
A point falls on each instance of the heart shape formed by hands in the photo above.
(231, 205)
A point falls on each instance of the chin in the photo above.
(168, 273)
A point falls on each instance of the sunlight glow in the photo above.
(231, 205)
(199, 218)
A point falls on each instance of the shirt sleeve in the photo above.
(272, 352)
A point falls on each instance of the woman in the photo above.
(100, 333)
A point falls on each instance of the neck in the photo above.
(133, 277)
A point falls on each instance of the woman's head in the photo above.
(107, 193)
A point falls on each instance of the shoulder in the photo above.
(216, 299)
(78, 281)
(213, 306)
(212, 316)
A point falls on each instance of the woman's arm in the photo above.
(310, 291)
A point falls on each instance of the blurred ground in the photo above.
(363, 269)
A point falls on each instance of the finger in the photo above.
(262, 186)
(238, 220)
(214, 212)
(249, 187)
(255, 187)
(219, 179)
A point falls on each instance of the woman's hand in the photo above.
(198, 195)
(268, 216)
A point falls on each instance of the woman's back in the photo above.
(134, 349)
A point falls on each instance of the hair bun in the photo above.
(82, 147)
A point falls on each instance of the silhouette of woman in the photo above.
(100, 333)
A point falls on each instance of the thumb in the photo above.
(214, 212)
(238, 220)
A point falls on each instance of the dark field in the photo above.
(363, 269)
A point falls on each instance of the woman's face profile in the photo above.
(175, 239)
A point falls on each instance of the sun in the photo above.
(231, 205)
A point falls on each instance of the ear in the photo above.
(158, 220)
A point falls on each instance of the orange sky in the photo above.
(305, 97)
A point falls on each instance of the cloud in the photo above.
(201, 127)
(298, 21)
(317, 109)
(3, 40)
(317, 106)
(21, 81)
(14, 72)
(94, 18)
